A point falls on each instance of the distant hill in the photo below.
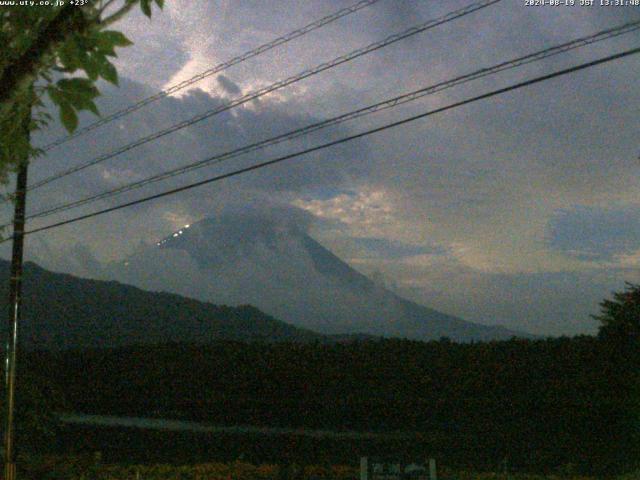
(270, 261)
(62, 311)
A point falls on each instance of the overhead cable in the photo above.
(212, 71)
(404, 121)
(271, 88)
(361, 112)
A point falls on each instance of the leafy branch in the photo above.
(60, 42)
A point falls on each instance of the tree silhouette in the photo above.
(620, 318)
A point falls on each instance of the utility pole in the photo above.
(15, 290)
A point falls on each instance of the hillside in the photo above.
(63, 311)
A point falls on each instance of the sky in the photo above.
(520, 210)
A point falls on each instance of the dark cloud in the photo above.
(228, 85)
(224, 132)
(212, 136)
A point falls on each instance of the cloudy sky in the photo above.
(520, 210)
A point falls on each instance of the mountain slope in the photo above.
(63, 311)
(245, 258)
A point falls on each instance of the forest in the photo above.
(540, 404)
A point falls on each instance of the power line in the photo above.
(213, 70)
(273, 87)
(342, 140)
(377, 107)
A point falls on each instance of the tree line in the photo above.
(536, 404)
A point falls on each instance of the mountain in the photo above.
(62, 311)
(272, 263)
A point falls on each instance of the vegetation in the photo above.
(73, 468)
(547, 406)
(82, 468)
(36, 419)
(620, 318)
(43, 47)
(539, 404)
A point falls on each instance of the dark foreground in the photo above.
(536, 405)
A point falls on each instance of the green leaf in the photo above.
(113, 38)
(160, 3)
(145, 5)
(106, 48)
(76, 93)
(80, 85)
(69, 117)
(82, 103)
(55, 95)
(68, 60)
(91, 106)
(108, 72)
(91, 67)
(70, 54)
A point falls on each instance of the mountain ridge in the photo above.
(61, 311)
(274, 264)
